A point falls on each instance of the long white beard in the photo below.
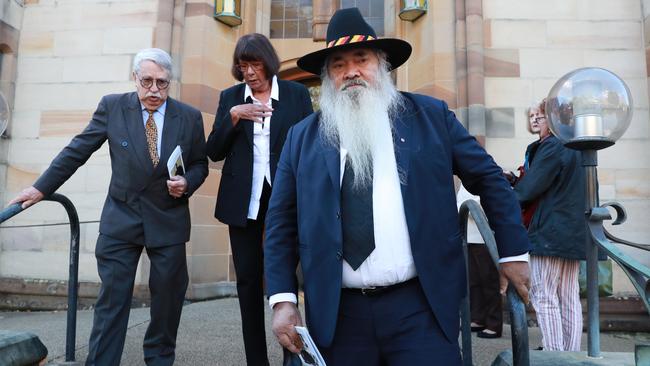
(358, 119)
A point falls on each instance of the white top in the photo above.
(473, 235)
(261, 150)
(158, 118)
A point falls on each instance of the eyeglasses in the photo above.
(539, 119)
(147, 83)
(243, 66)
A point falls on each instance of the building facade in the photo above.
(489, 60)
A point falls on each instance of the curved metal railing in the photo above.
(638, 273)
(518, 323)
(73, 267)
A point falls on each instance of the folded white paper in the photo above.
(175, 164)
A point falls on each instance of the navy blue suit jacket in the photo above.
(303, 220)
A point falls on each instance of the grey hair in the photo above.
(157, 56)
(532, 107)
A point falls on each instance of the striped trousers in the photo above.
(555, 296)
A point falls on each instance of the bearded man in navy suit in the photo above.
(364, 197)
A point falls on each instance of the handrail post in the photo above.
(589, 162)
(73, 267)
(518, 322)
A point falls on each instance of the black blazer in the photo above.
(138, 207)
(236, 145)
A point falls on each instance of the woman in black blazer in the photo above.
(249, 130)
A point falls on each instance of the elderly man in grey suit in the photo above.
(144, 208)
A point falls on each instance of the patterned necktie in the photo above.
(152, 138)
(356, 220)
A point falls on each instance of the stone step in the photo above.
(553, 358)
(21, 349)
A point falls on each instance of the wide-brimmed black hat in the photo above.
(347, 29)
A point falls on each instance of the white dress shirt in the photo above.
(159, 119)
(261, 150)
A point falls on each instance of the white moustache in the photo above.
(157, 95)
(355, 82)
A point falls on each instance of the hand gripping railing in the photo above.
(73, 268)
(518, 323)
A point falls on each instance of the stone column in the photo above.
(322, 11)
(475, 69)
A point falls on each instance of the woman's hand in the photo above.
(253, 112)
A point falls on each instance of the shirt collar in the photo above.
(160, 109)
(275, 90)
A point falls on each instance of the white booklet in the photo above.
(175, 164)
(309, 354)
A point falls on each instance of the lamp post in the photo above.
(589, 109)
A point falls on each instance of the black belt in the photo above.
(378, 290)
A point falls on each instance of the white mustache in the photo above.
(149, 94)
(354, 82)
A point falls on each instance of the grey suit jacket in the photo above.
(138, 207)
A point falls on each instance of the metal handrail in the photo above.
(621, 217)
(638, 273)
(73, 267)
(518, 322)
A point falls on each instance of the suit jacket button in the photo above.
(339, 255)
(338, 215)
(125, 144)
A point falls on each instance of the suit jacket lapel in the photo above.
(332, 158)
(276, 123)
(402, 133)
(171, 128)
(247, 125)
(135, 129)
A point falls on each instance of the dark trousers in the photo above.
(394, 328)
(117, 262)
(248, 257)
(484, 296)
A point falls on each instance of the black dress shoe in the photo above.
(484, 334)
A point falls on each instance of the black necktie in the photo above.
(357, 221)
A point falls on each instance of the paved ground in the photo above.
(210, 335)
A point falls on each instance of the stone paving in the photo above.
(210, 334)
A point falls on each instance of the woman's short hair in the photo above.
(534, 106)
(255, 47)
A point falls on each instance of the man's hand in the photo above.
(285, 317)
(519, 274)
(177, 185)
(28, 197)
